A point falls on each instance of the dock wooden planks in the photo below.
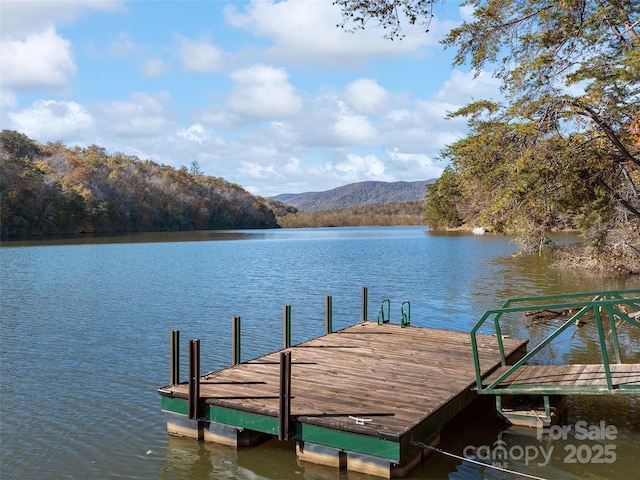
(395, 378)
(574, 378)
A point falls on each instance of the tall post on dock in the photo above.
(287, 326)
(235, 341)
(329, 315)
(365, 302)
(284, 415)
(174, 357)
(194, 378)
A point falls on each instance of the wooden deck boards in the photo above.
(394, 376)
(576, 375)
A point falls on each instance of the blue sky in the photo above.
(267, 94)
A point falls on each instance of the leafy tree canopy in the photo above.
(565, 141)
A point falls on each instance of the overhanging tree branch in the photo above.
(586, 111)
(617, 196)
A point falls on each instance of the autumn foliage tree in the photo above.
(51, 189)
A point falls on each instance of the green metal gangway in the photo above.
(609, 310)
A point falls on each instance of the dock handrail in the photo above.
(597, 302)
(405, 319)
(381, 317)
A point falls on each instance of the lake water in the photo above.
(85, 341)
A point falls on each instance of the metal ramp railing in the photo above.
(607, 377)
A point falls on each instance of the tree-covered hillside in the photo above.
(356, 194)
(388, 214)
(51, 189)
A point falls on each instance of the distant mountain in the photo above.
(356, 194)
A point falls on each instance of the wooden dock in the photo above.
(360, 397)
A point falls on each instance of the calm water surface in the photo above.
(85, 329)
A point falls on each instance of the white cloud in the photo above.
(25, 16)
(303, 31)
(217, 116)
(153, 68)
(329, 140)
(8, 100)
(122, 46)
(357, 168)
(143, 115)
(50, 120)
(261, 151)
(354, 129)
(420, 125)
(195, 133)
(199, 56)
(366, 96)
(39, 60)
(414, 165)
(257, 171)
(262, 92)
(466, 12)
(293, 166)
(464, 87)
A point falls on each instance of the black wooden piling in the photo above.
(235, 341)
(329, 315)
(287, 326)
(174, 357)
(365, 301)
(284, 417)
(194, 378)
